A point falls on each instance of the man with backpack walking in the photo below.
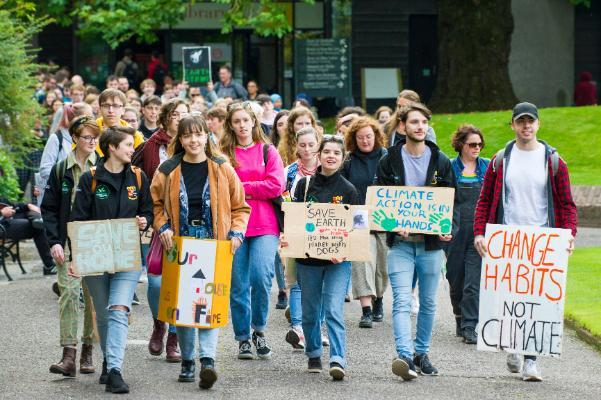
(527, 183)
(128, 68)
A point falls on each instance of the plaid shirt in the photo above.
(488, 204)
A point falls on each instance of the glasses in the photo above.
(240, 105)
(108, 106)
(178, 115)
(89, 139)
(130, 121)
(194, 94)
(333, 138)
(474, 145)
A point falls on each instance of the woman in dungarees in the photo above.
(463, 261)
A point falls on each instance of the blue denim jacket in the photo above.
(480, 169)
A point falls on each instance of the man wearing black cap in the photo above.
(527, 183)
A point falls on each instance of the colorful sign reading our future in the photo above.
(426, 210)
(522, 289)
(325, 231)
(195, 288)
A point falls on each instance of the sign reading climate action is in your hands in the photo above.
(522, 289)
(325, 231)
(426, 210)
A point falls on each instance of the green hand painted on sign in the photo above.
(443, 223)
(388, 223)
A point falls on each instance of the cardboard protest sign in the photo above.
(195, 290)
(326, 231)
(197, 65)
(105, 246)
(427, 210)
(522, 290)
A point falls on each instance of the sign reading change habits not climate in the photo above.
(427, 210)
(522, 289)
(325, 231)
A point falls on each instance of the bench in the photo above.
(9, 248)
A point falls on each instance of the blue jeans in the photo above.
(279, 272)
(324, 288)
(207, 339)
(404, 259)
(252, 272)
(108, 291)
(294, 302)
(154, 294)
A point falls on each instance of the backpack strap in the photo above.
(93, 172)
(60, 170)
(138, 173)
(555, 162)
(307, 187)
(498, 158)
(59, 135)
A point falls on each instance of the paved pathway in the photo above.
(29, 339)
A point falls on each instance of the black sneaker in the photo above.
(115, 383)
(135, 301)
(423, 365)
(282, 300)
(245, 351)
(470, 336)
(366, 321)
(347, 299)
(378, 310)
(336, 371)
(56, 289)
(104, 375)
(404, 367)
(208, 375)
(49, 270)
(263, 351)
(314, 365)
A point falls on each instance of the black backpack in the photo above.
(159, 75)
(131, 73)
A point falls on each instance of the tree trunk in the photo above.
(473, 56)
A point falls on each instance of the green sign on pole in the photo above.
(323, 67)
(197, 65)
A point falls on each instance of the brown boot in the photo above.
(173, 354)
(66, 366)
(155, 346)
(86, 365)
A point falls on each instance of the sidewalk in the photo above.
(30, 345)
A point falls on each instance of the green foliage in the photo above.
(9, 185)
(117, 21)
(583, 297)
(19, 111)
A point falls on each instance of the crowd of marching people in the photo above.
(184, 164)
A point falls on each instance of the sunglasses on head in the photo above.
(333, 138)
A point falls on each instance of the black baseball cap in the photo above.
(524, 108)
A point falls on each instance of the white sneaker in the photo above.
(324, 340)
(531, 373)
(514, 362)
(414, 303)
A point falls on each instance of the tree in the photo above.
(475, 36)
(19, 111)
(118, 21)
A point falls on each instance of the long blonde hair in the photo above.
(287, 145)
(229, 141)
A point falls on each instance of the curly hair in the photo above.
(462, 133)
(358, 124)
(167, 110)
(287, 145)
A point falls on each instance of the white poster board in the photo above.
(522, 290)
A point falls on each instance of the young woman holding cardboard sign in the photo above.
(209, 205)
(115, 190)
(56, 210)
(324, 282)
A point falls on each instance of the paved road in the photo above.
(29, 340)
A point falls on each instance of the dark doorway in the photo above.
(423, 54)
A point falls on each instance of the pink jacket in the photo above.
(261, 184)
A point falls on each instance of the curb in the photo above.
(583, 333)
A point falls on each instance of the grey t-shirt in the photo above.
(416, 168)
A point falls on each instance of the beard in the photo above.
(415, 138)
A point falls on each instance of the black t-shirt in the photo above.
(195, 177)
(147, 132)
